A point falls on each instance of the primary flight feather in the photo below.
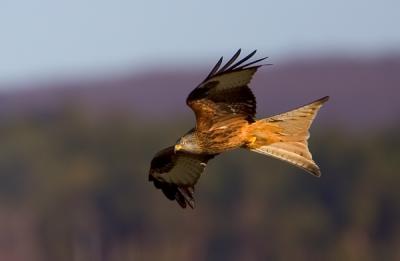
(225, 109)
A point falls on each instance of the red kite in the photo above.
(225, 109)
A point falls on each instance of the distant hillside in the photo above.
(364, 92)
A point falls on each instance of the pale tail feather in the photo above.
(284, 136)
(287, 155)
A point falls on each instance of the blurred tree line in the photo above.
(73, 186)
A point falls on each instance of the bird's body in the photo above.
(218, 139)
(225, 109)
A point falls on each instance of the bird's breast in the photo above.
(223, 137)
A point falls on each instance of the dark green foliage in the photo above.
(84, 182)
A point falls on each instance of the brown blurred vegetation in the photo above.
(74, 187)
(74, 160)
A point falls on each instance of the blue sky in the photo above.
(47, 38)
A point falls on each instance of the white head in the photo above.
(188, 143)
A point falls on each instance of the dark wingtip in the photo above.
(182, 195)
(215, 68)
(232, 66)
(228, 63)
(323, 99)
(251, 63)
(187, 194)
(236, 65)
(180, 199)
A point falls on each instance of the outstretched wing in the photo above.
(224, 94)
(177, 173)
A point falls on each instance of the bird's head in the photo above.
(188, 143)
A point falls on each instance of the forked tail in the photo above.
(285, 136)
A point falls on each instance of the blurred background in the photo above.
(90, 90)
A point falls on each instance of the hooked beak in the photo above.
(177, 147)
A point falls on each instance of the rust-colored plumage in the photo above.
(225, 109)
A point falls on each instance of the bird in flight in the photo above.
(225, 109)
